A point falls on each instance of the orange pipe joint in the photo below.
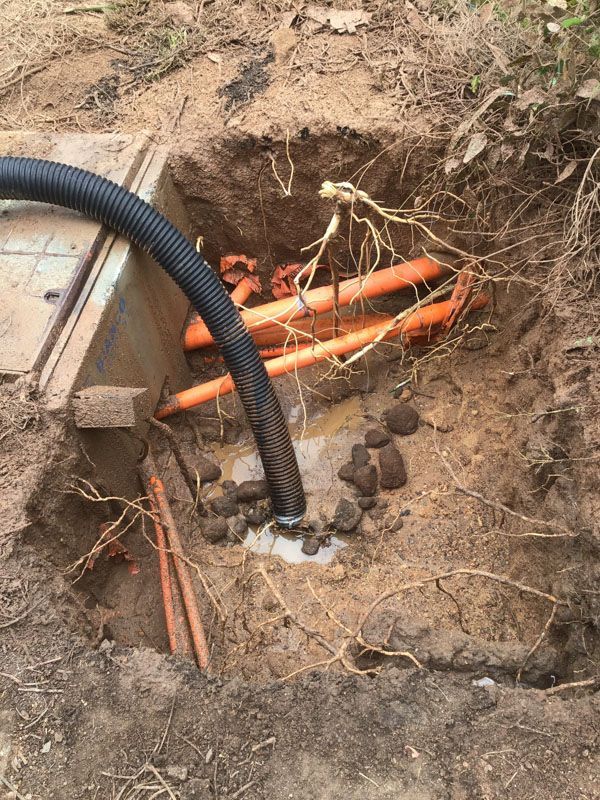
(321, 299)
(423, 320)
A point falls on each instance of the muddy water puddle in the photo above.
(289, 547)
(321, 443)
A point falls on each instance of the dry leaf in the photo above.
(566, 171)
(530, 98)
(451, 165)
(486, 12)
(589, 89)
(317, 13)
(344, 21)
(477, 143)
(415, 20)
(348, 21)
(287, 19)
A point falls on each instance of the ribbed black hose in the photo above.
(121, 210)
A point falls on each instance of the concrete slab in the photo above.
(82, 307)
(46, 253)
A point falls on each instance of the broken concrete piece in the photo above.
(111, 407)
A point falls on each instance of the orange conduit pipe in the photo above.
(321, 299)
(165, 578)
(277, 341)
(239, 295)
(159, 498)
(321, 327)
(175, 622)
(422, 320)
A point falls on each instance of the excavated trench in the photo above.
(478, 431)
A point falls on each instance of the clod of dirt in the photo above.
(375, 437)
(346, 472)
(402, 419)
(367, 502)
(310, 545)
(365, 480)
(347, 516)
(454, 650)
(224, 507)
(256, 514)
(230, 489)
(207, 469)
(250, 491)
(283, 42)
(180, 13)
(360, 455)
(391, 467)
(238, 525)
(214, 529)
(394, 524)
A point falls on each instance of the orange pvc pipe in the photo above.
(181, 568)
(321, 327)
(275, 350)
(165, 579)
(239, 295)
(321, 299)
(421, 320)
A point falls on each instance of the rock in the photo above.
(346, 472)
(365, 480)
(310, 545)
(207, 469)
(230, 489)
(391, 467)
(249, 491)
(360, 455)
(238, 526)
(367, 502)
(214, 529)
(232, 430)
(224, 507)
(375, 437)
(177, 773)
(181, 13)
(347, 516)
(394, 523)
(315, 525)
(256, 514)
(402, 419)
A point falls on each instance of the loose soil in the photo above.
(93, 707)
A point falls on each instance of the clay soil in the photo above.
(481, 683)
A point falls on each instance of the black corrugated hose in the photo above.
(123, 211)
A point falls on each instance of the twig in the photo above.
(537, 642)
(563, 687)
(12, 788)
(287, 191)
(193, 486)
(244, 788)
